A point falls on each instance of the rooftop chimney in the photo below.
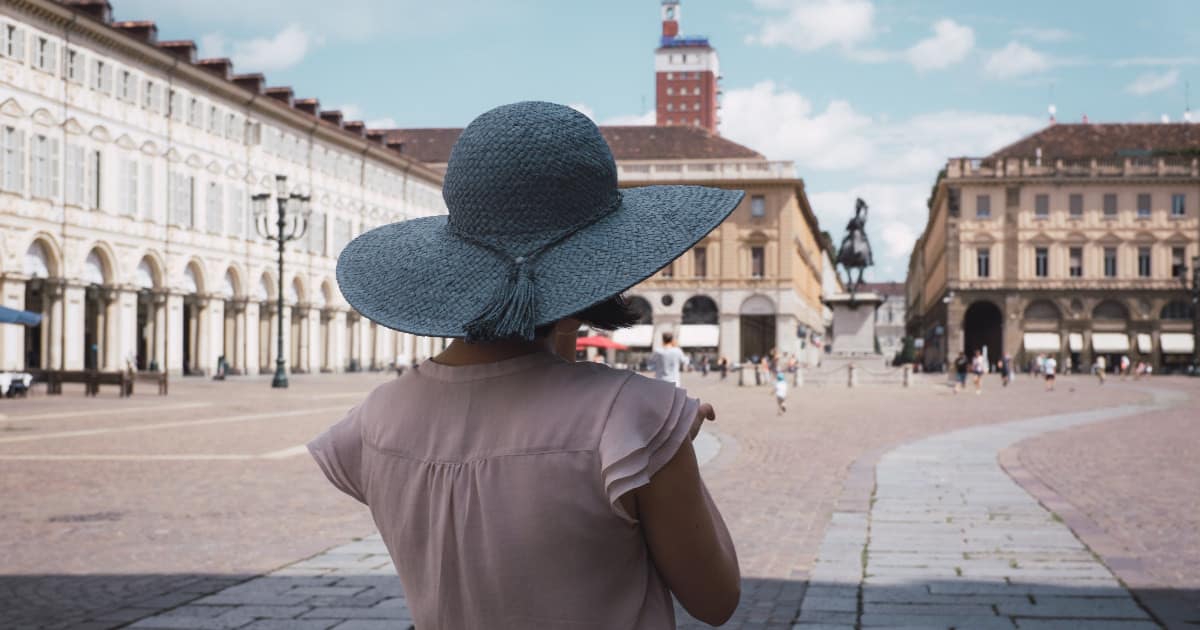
(282, 94)
(376, 135)
(309, 106)
(396, 145)
(356, 127)
(221, 67)
(145, 32)
(253, 82)
(96, 9)
(332, 116)
(183, 49)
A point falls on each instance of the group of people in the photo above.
(669, 362)
(1042, 366)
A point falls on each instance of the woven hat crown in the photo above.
(523, 174)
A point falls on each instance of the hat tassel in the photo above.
(511, 311)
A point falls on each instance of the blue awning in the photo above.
(24, 318)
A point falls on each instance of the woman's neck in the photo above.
(460, 352)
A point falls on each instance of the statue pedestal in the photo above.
(854, 324)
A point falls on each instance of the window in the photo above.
(176, 110)
(1110, 262)
(14, 159)
(74, 193)
(758, 206)
(147, 200)
(12, 42)
(215, 209)
(670, 107)
(316, 234)
(127, 87)
(102, 77)
(1041, 262)
(128, 189)
(696, 107)
(1178, 268)
(670, 76)
(181, 200)
(696, 121)
(696, 91)
(669, 270)
(1143, 206)
(983, 263)
(75, 70)
(91, 179)
(1076, 209)
(237, 215)
(214, 120)
(758, 261)
(983, 206)
(231, 128)
(45, 55)
(44, 167)
(341, 235)
(1110, 205)
(1178, 209)
(1076, 256)
(670, 91)
(1143, 262)
(700, 262)
(148, 96)
(194, 112)
(1041, 206)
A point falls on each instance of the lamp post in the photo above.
(288, 227)
(1195, 315)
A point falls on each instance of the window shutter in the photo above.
(19, 165)
(37, 167)
(90, 177)
(19, 44)
(51, 56)
(148, 191)
(54, 167)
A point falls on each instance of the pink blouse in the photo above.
(496, 486)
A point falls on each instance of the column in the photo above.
(125, 340)
(731, 337)
(69, 336)
(158, 350)
(213, 340)
(785, 335)
(339, 352)
(12, 338)
(312, 340)
(248, 337)
(173, 316)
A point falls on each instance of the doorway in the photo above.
(758, 335)
(983, 330)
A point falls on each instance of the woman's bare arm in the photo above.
(688, 540)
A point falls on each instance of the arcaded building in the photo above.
(1073, 242)
(126, 171)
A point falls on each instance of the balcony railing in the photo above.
(1074, 168)
(700, 170)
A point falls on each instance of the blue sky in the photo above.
(868, 97)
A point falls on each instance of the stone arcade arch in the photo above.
(983, 329)
(757, 323)
(232, 333)
(99, 297)
(264, 296)
(192, 319)
(43, 295)
(297, 319)
(149, 340)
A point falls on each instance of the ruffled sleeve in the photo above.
(338, 451)
(647, 423)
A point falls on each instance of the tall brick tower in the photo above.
(686, 76)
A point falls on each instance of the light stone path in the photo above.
(950, 541)
(351, 587)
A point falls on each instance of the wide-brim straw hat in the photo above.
(537, 231)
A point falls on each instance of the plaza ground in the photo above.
(161, 511)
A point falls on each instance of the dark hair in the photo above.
(611, 314)
(668, 337)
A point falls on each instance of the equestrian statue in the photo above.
(855, 252)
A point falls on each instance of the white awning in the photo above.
(1075, 342)
(699, 335)
(1177, 343)
(639, 336)
(1110, 342)
(1145, 344)
(1042, 342)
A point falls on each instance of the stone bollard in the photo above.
(907, 375)
(851, 375)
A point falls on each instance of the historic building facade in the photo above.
(1074, 242)
(889, 317)
(687, 74)
(126, 171)
(752, 286)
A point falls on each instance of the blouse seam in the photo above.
(469, 379)
(403, 455)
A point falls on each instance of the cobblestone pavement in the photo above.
(1129, 491)
(949, 540)
(115, 510)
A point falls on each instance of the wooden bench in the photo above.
(159, 378)
(123, 380)
(91, 379)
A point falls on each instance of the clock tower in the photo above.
(687, 74)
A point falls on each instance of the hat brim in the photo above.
(416, 277)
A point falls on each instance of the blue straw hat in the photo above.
(537, 231)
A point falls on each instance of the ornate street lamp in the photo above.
(288, 227)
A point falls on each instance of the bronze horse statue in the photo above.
(855, 252)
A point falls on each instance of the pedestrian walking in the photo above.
(1124, 366)
(960, 372)
(781, 393)
(1099, 368)
(723, 364)
(704, 365)
(668, 360)
(1006, 368)
(978, 368)
(485, 539)
(1050, 368)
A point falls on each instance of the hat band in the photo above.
(512, 310)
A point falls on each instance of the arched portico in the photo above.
(757, 327)
(983, 330)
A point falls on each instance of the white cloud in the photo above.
(647, 118)
(263, 54)
(1016, 60)
(351, 111)
(1156, 61)
(211, 45)
(583, 109)
(950, 44)
(387, 122)
(808, 25)
(891, 162)
(1049, 35)
(1151, 82)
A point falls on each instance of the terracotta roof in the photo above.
(627, 142)
(1080, 141)
(884, 288)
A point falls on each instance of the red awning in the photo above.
(597, 341)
